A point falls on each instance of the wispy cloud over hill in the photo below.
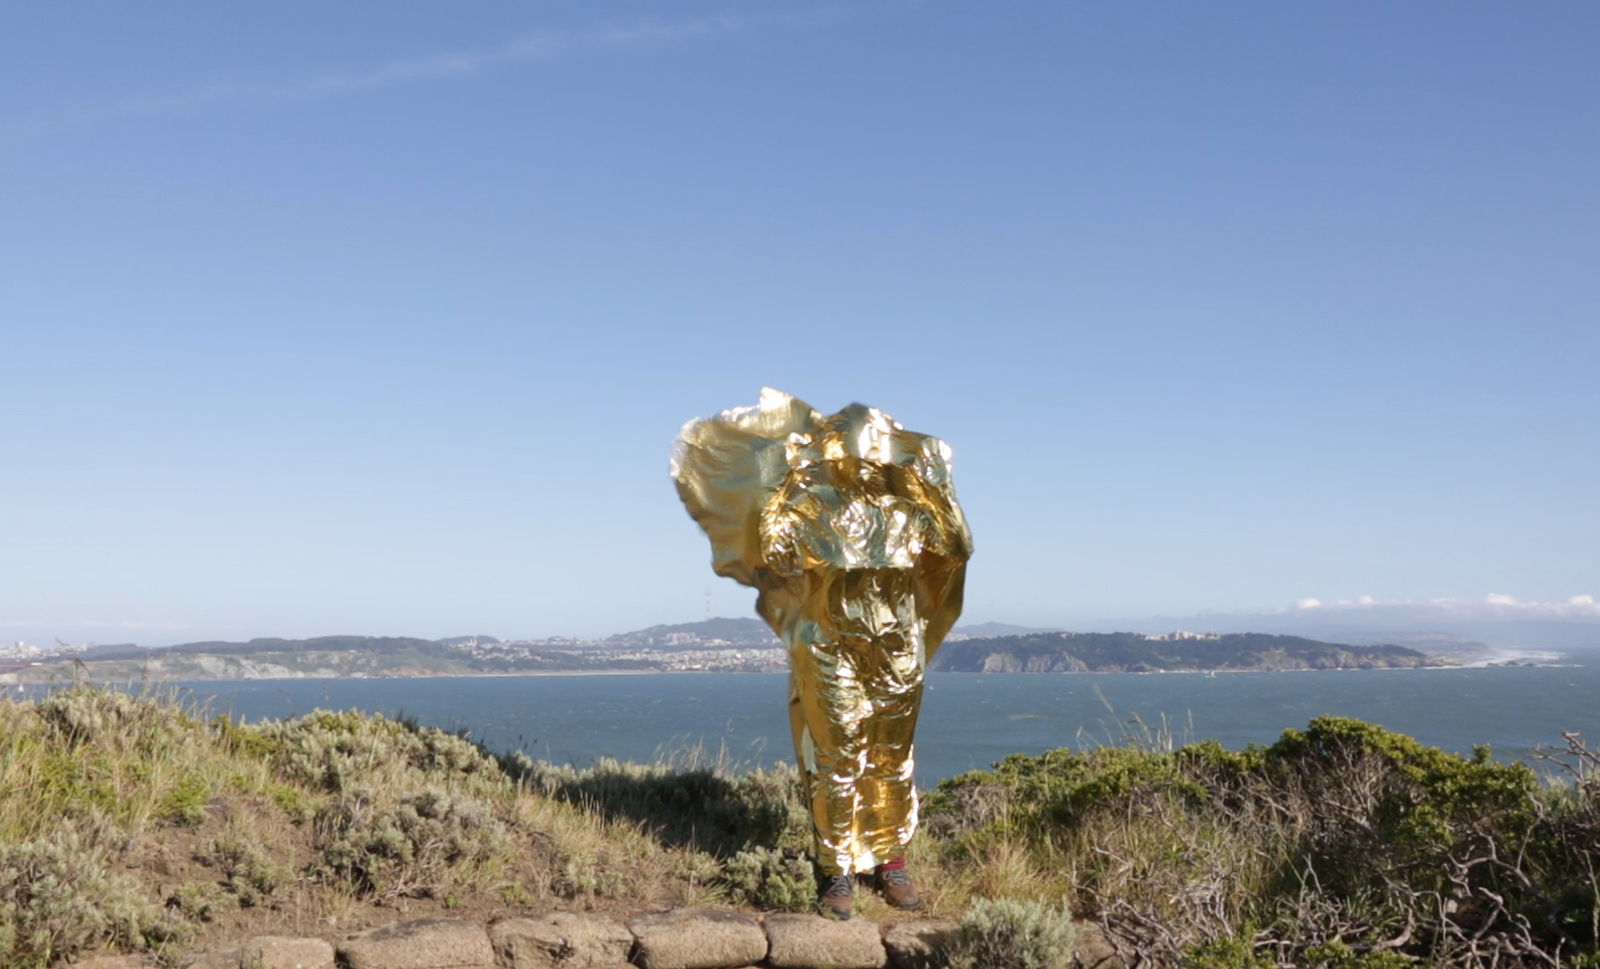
(1496, 619)
(1495, 605)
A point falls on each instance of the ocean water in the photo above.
(968, 720)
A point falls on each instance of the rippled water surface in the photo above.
(967, 720)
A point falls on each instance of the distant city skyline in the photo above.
(1496, 619)
(375, 319)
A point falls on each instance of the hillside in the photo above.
(1135, 653)
(138, 824)
(724, 645)
(321, 657)
(708, 633)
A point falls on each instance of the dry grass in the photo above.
(136, 822)
(1344, 846)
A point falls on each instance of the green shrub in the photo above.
(186, 802)
(1012, 934)
(588, 870)
(88, 714)
(292, 801)
(1229, 953)
(248, 874)
(337, 751)
(772, 880)
(1240, 953)
(411, 846)
(84, 751)
(201, 902)
(1348, 844)
(1337, 955)
(1060, 786)
(57, 898)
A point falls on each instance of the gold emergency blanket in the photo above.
(848, 527)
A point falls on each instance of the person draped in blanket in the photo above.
(848, 527)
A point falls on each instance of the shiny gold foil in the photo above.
(848, 527)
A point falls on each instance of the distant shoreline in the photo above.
(30, 684)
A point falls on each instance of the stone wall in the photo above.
(682, 939)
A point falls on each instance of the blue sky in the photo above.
(381, 317)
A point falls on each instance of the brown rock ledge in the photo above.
(421, 944)
(701, 938)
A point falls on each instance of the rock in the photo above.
(421, 944)
(698, 939)
(1094, 951)
(918, 944)
(283, 952)
(226, 958)
(561, 940)
(807, 941)
(109, 962)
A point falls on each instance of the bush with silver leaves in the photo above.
(1005, 933)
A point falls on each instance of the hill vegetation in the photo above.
(323, 656)
(132, 822)
(1134, 653)
(740, 631)
(716, 644)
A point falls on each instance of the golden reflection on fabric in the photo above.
(848, 527)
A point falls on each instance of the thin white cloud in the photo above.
(543, 45)
(94, 624)
(1494, 604)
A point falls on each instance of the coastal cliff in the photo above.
(720, 645)
(1135, 653)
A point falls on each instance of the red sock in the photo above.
(894, 865)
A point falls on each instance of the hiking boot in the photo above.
(833, 899)
(895, 885)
